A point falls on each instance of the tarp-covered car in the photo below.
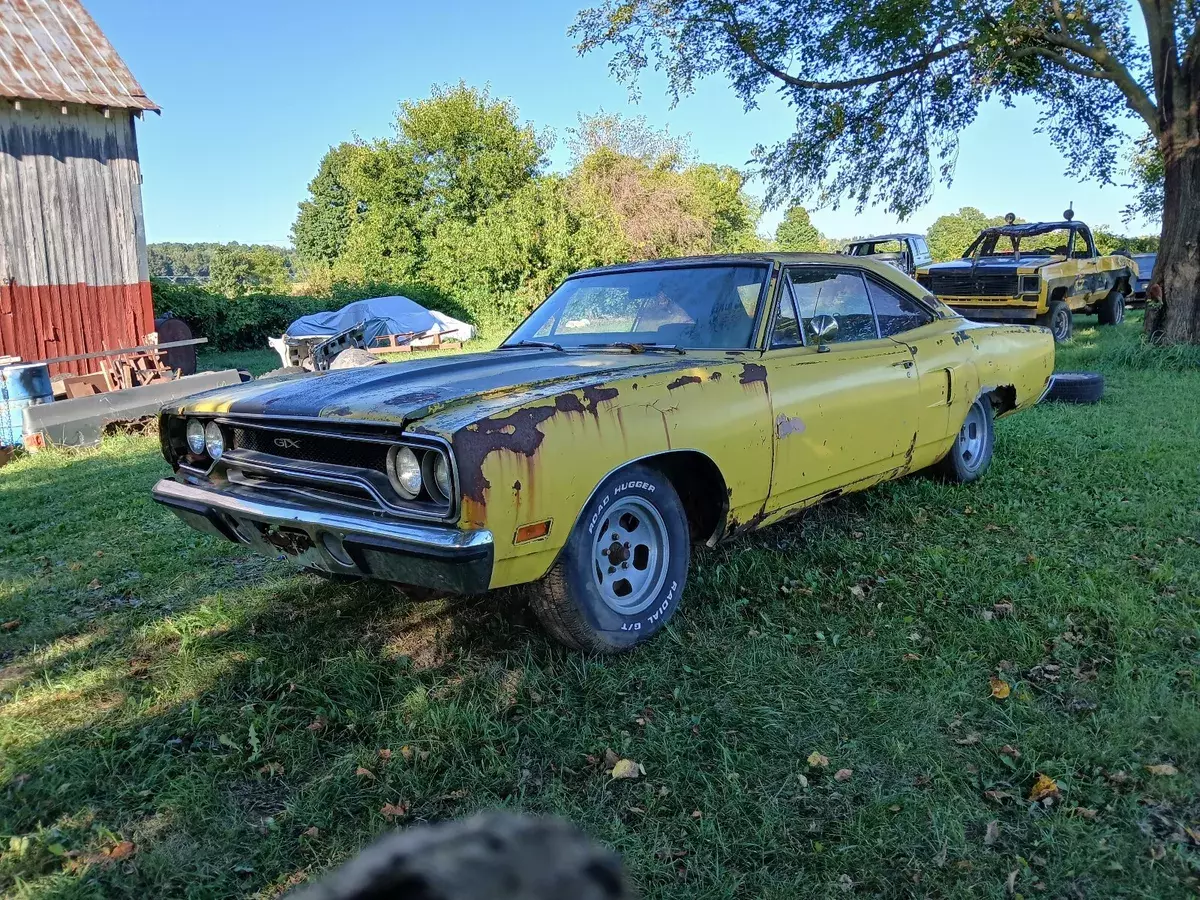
(638, 409)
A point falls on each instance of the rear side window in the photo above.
(897, 312)
(820, 290)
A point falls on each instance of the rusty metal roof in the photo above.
(53, 50)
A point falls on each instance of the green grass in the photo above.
(210, 707)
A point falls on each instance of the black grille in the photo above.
(328, 450)
(977, 285)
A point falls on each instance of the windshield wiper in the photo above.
(639, 347)
(547, 345)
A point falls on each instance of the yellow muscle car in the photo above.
(1042, 272)
(639, 409)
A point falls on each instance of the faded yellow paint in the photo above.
(870, 411)
(1080, 282)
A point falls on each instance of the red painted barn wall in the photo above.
(73, 273)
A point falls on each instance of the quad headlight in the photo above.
(195, 436)
(404, 472)
(441, 475)
(214, 440)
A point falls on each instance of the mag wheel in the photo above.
(1111, 310)
(1059, 319)
(971, 453)
(621, 575)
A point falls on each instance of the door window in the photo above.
(896, 311)
(787, 327)
(823, 290)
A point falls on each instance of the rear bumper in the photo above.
(430, 556)
(995, 313)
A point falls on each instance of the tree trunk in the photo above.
(1173, 299)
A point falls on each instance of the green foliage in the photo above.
(797, 233)
(193, 261)
(1149, 180)
(143, 653)
(320, 231)
(236, 271)
(950, 235)
(246, 321)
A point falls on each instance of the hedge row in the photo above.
(245, 323)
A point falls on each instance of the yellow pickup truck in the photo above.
(1039, 272)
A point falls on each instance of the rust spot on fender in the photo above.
(517, 433)
(753, 373)
(593, 396)
(715, 376)
(683, 380)
(786, 425)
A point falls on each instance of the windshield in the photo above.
(694, 307)
(1047, 242)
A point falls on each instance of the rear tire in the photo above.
(971, 453)
(1076, 387)
(1060, 320)
(622, 572)
(1111, 310)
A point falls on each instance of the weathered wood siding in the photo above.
(73, 274)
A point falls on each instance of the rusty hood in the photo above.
(456, 389)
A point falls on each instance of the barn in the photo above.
(73, 273)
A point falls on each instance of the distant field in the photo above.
(180, 718)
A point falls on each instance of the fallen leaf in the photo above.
(991, 527)
(407, 752)
(1084, 813)
(970, 740)
(696, 814)
(422, 755)
(1000, 688)
(992, 834)
(94, 584)
(1158, 851)
(818, 760)
(802, 780)
(365, 773)
(1010, 885)
(999, 796)
(317, 724)
(1162, 769)
(1010, 751)
(1044, 787)
(626, 768)
(394, 810)
(271, 768)
(610, 759)
(911, 657)
(385, 754)
(313, 832)
(121, 850)
(858, 592)
(11, 625)
(1002, 609)
(459, 794)
(843, 774)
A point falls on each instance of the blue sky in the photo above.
(254, 92)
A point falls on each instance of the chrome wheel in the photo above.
(630, 555)
(972, 438)
(1060, 325)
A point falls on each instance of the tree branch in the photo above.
(915, 66)
(1059, 60)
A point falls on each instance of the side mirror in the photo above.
(824, 328)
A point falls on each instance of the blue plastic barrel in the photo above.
(26, 384)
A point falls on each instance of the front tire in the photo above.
(1060, 320)
(971, 453)
(621, 575)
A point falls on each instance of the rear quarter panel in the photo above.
(1020, 357)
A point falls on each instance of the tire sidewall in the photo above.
(611, 627)
(1064, 312)
(963, 473)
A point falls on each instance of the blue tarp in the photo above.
(399, 315)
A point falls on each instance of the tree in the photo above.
(323, 223)
(797, 233)
(625, 136)
(1149, 175)
(881, 90)
(950, 235)
(236, 271)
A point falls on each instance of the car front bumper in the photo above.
(341, 543)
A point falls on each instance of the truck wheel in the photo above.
(621, 575)
(1111, 310)
(971, 453)
(1059, 319)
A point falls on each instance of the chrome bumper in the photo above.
(431, 556)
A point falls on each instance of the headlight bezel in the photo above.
(188, 435)
(399, 455)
